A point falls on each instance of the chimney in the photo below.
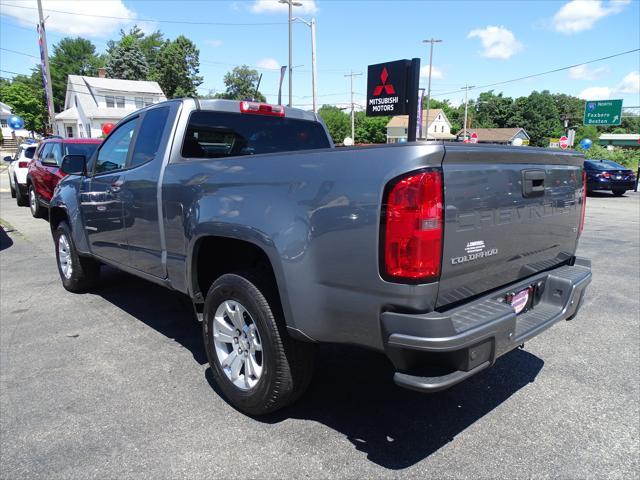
(102, 73)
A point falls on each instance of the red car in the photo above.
(44, 169)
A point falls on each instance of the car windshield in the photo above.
(86, 149)
(220, 134)
(604, 165)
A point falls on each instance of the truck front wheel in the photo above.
(78, 274)
(258, 367)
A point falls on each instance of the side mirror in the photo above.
(8, 159)
(74, 165)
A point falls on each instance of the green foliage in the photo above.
(71, 56)
(126, 60)
(241, 84)
(539, 116)
(177, 67)
(338, 122)
(587, 131)
(370, 129)
(25, 101)
(624, 156)
(455, 115)
(493, 111)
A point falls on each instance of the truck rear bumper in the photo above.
(436, 350)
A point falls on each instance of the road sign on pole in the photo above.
(564, 142)
(474, 137)
(602, 112)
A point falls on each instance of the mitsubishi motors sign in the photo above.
(387, 88)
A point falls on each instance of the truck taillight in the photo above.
(262, 109)
(23, 164)
(584, 202)
(412, 228)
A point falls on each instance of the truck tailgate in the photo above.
(509, 213)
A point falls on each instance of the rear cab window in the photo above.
(222, 134)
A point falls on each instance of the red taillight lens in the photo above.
(23, 164)
(262, 109)
(605, 175)
(584, 202)
(412, 228)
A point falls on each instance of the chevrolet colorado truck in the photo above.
(441, 256)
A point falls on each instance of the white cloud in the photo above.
(595, 93)
(74, 24)
(578, 15)
(435, 72)
(269, 64)
(271, 6)
(498, 42)
(583, 72)
(630, 83)
(214, 43)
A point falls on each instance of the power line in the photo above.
(184, 22)
(19, 53)
(542, 73)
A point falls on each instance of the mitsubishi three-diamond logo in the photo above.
(387, 87)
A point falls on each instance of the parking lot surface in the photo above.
(115, 384)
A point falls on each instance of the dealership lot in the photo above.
(115, 384)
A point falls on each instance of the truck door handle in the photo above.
(533, 183)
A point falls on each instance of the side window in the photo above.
(149, 136)
(56, 153)
(45, 153)
(114, 151)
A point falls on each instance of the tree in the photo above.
(149, 44)
(177, 68)
(370, 129)
(493, 111)
(338, 122)
(25, 101)
(71, 56)
(125, 60)
(539, 116)
(455, 115)
(241, 84)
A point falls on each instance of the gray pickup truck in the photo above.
(441, 256)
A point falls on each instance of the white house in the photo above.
(7, 132)
(93, 101)
(436, 127)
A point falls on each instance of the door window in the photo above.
(149, 136)
(56, 152)
(114, 151)
(45, 153)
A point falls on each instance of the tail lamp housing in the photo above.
(23, 164)
(584, 202)
(412, 228)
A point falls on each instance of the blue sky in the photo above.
(483, 41)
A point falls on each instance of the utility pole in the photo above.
(314, 79)
(291, 4)
(353, 115)
(45, 65)
(466, 104)
(431, 41)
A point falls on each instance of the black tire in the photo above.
(85, 271)
(287, 364)
(37, 210)
(21, 198)
(13, 190)
(618, 192)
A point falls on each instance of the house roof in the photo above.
(494, 135)
(403, 120)
(5, 109)
(88, 97)
(68, 114)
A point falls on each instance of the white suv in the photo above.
(18, 169)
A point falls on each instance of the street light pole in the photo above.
(431, 41)
(353, 113)
(291, 4)
(466, 104)
(314, 79)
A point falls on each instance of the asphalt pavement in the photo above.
(115, 384)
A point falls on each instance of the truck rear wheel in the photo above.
(258, 367)
(78, 274)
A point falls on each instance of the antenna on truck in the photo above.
(255, 95)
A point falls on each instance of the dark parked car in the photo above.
(44, 169)
(608, 175)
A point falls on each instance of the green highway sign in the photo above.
(603, 112)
